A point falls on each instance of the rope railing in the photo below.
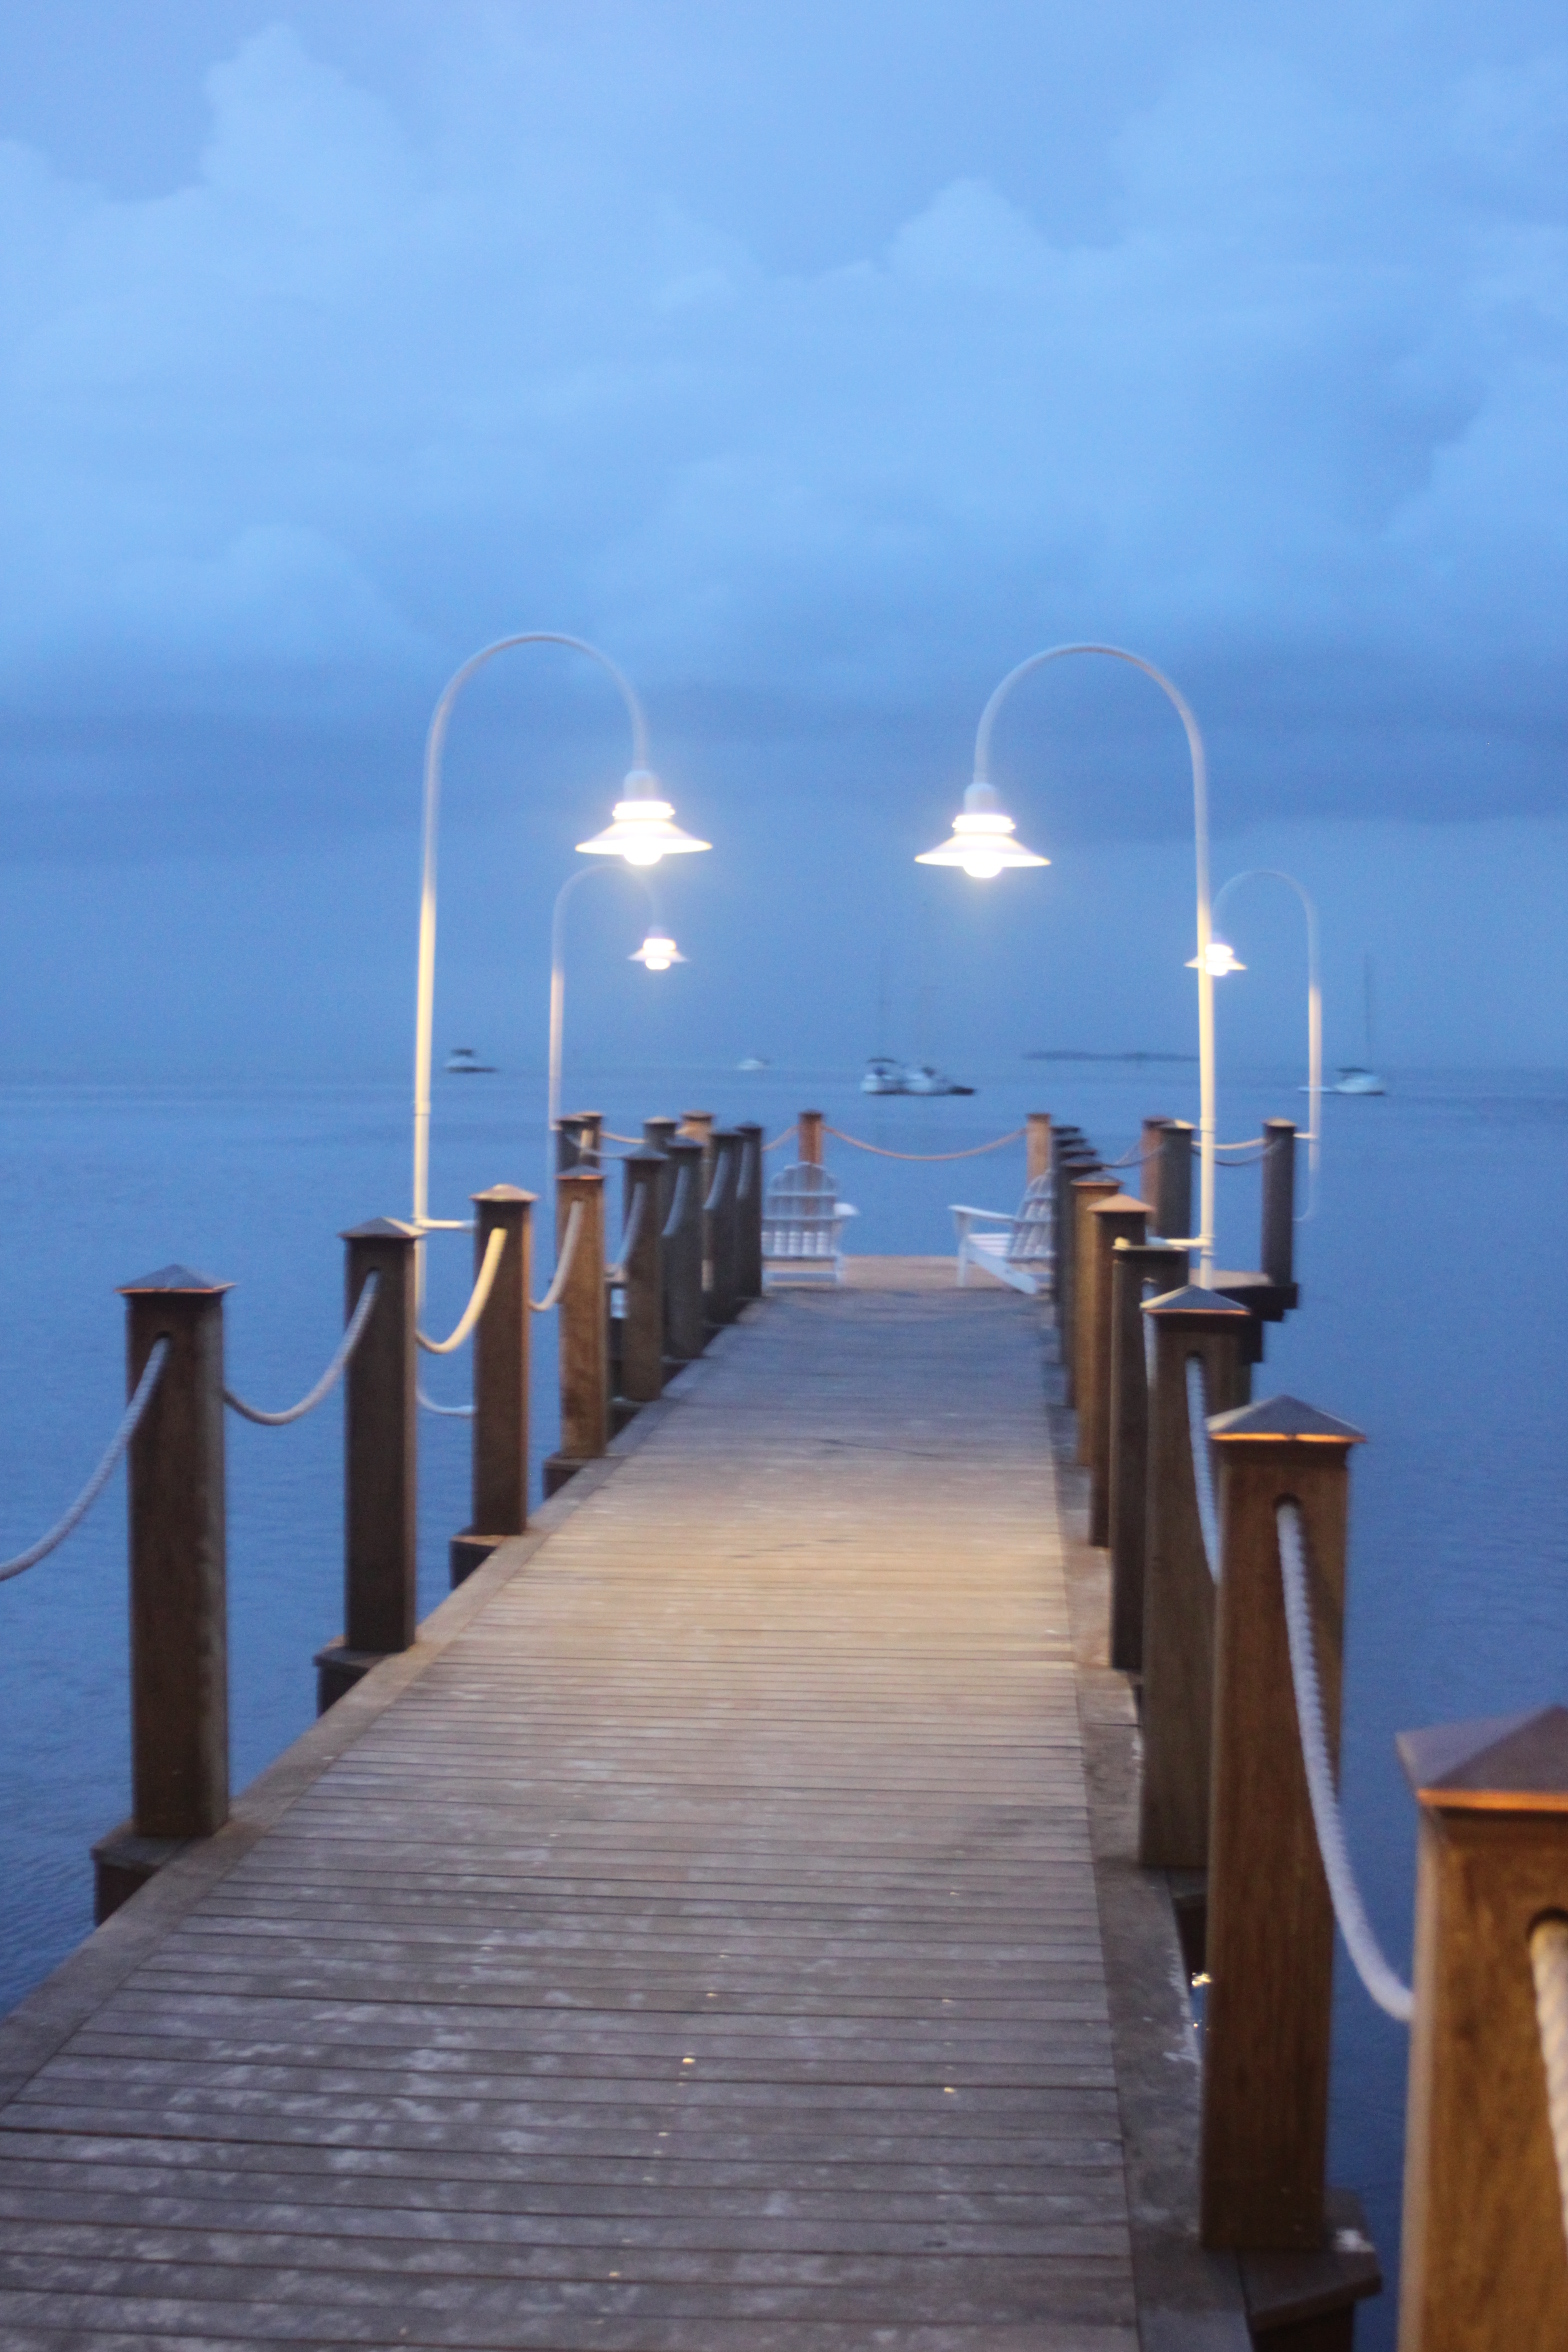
(1203, 1462)
(973, 1153)
(140, 1399)
(629, 1233)
(1549, 1965)
(783, 1138)
(443, 1224)
(353, 1332)
(490, 1266)
(1246, 1143)
(563, 1263)
(609, 1135)
(447, 1412)
(1386, 1987)
(715, 1199)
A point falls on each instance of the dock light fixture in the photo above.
(982, 843)
(1221, 959)
(982, 838)
(642, 831)
(1313, 1139)
(656, 953)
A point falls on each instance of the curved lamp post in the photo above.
(1222, 961)
(642, 831)
(656, 954)
(983, 843)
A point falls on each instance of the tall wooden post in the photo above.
(698, 1127)
(1076, 1162)
(658, 1135)
(1119, 1217)
(178, 1585)
(1178, 1587)
(724, 1228)
(579, 1140)
(1037, 1145)
(1151, 1142)
(1135, 1270)
(583, 1331)
(380, 1454)
(642, 1335)
(808, 1135)
(1484, 2268)
(1279, 1201)
(687, 1332)
(749, 1198)
(1087, 1194)
(500, 1424)
(1171, 1176)
(1270, 1950)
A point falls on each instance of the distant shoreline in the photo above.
(1071, 1054)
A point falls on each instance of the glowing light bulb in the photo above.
(657, 953)
(644, 829)
(1220, 959)
(982, 839)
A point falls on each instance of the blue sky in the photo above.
(819, 363)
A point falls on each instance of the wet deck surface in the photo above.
(695, 1947)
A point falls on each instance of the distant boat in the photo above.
(921, 1078)
(753, 1062)
(883, 1076)
(1354, 1077)
(461, 1063)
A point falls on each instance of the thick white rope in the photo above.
(490, 1266)
(447, 1412)
(352, 1332)
(100, 1477)
(1203, 1463)
(716, 1188)
(563, 1264)
(677, 1215)
(1387, 1989)
(633, 1227)
(1549, 1961)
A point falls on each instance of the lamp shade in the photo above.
(982, 839)
(643, 829)
(1220, 959)
(657, 952)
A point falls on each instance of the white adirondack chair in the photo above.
(1023, 1253)
(803, 1223)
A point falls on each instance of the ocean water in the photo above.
(1434, 1297)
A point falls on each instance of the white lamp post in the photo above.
(982, 843)
(1221, 961)
(642, 832)
(656, 954)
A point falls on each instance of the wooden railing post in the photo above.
(749, 1197)
(642, 1332)
(1119, 1217)
(808, 1135)
(380, 1498)
(1135, 1270)
(1270, 1944)
(1178, 1588)
(724, 1229)
(178, 1585)
(1037, 1145)
(583, 1330)
(500, 1425)
(1151, 1142)
(1073, 1161)
(579, 1140)
(1484, 2267)
(1170, 1181)
(686, 1332)
(697, 1126)
(1278, 1255)
(1087, 1194)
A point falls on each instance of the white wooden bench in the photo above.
(803, 1223)
(1024, 1253)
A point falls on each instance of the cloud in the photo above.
(297, 436)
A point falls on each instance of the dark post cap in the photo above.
(381, 1229)
(1284, 1420)
(177, 1278)
(580, 1176)
(648, 1157)
(709, 1114)
(575, 1118)
(504, 1192)
(1209, 1308)
(1121, 1204)
(1497, 1763)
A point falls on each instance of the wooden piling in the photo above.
(500, 1424)
(1135, 1272)
(685, 1331)
(1087, 1193)
(697, 1126)
(1119, 1217)
(642, 1333)
(380, 1455)
(1076, 1161)
(723, 1304)
(1278, 1254)
(1171, 1177)
(579, 1140)
(583, 1330)
(1178, 1588)
(1037, 1145)
(749, 1193)
(808, 1135)
(1484, 2266)
(1270, 1947)
(178, 1585)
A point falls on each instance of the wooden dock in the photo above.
(697, 1943)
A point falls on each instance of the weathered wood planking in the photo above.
(698, 1952)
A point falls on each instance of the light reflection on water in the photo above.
(1434, 1291)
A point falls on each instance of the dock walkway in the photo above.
(693, 1945)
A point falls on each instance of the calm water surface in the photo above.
(1434, 1296)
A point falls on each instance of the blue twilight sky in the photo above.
(819, 361)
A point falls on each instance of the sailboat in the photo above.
(1358, 1077)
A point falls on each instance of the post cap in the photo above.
(579, 1176)
(178, 1278)
(503, 1192)
(648, 1157)
(1101, 1183)
(1205, 1309)
(381, 1229)
(1284, 1419)
(1122, 1204)
(1496, 1763)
